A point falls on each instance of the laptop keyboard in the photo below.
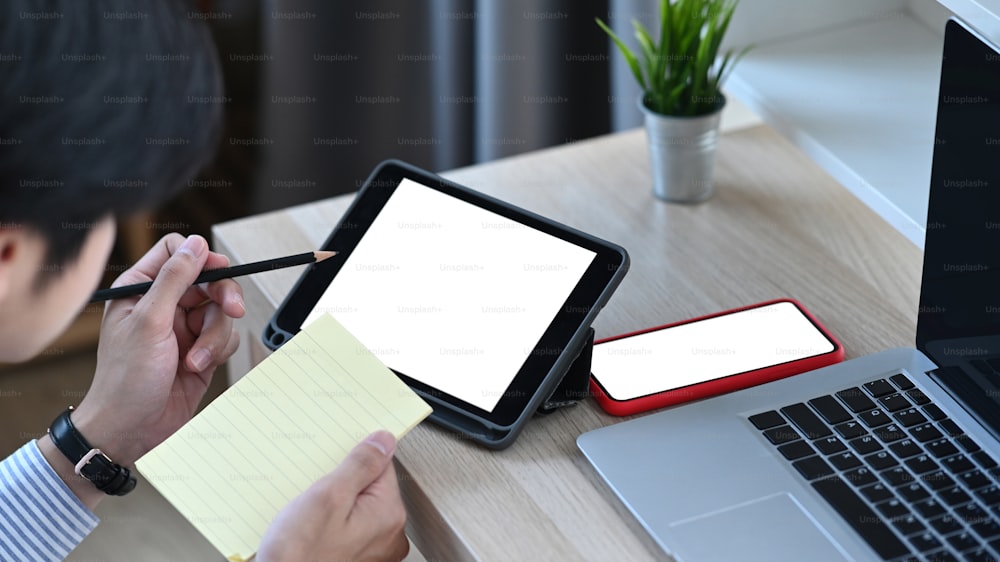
(896, 468)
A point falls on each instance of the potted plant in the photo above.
(681, 76)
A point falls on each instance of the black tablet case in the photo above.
(565, 384)
(570, 388)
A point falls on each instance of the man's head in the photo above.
(106, 107)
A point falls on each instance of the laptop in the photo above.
(892, 456)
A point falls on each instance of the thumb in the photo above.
(366, 462)
(176, 276)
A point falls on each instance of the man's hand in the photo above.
(353, 513)
(157, 352)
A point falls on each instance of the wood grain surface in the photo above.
(778, 226)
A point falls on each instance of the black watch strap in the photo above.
(110, 478)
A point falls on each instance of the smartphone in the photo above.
(705, 356)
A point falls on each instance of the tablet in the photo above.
(476, 304)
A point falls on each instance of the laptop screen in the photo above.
(959, 320)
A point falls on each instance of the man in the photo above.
(108, 106)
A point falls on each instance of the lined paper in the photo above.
(281, 427)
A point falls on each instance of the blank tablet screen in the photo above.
(450, 294)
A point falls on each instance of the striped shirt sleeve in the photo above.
(41, 519)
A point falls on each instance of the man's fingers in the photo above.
(365, 463)
(231, 346)
(149, 264)
(214, 331)
(229, 295)
(175, 277)
(401, 548)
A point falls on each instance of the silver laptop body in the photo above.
(709, 486)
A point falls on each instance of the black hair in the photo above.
(106, 107)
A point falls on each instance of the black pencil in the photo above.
(217, 274)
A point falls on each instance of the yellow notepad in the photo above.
(281, 427)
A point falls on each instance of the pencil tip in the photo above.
(322, 255)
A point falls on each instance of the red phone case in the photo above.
(716, 386)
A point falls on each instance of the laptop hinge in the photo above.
(979, 396)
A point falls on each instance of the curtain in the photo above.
(345, 84)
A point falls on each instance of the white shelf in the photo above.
(861, 100)
(983, 15)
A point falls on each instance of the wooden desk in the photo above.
(778, 227)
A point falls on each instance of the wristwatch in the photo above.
(110, 478)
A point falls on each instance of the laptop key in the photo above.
(958, 464)
(942, 448)
(950, 427)
(987, 528)
(963, 541)
(941, 556)
(917, 396)
(925, 432)
(803, 418)
(897, 476)
(879, 387)
(830, 410)
(906, 448)
(861, 517)
(850, 430)
(830, 445)
(865, 445)
(812, 468)
(889, 433)
(856, 400)
(954, 496)
(909, 417)
(929, 508)
(925, 541)
(913, 492)
(984, 459)
(978, 555)
(860, 477)
(972, 513)
(894, 402)
(908, 525)
(901, 381)
(877, 493)
(921, 464)
(881, 460)
(796, 450)
(937, 480)
(767, 420)
(892, 509)
(989, 495)
(845, 461)
(782, 434)
(875, 418)
(946, 524)
(934, 412)
(966, 442)
(974, 479)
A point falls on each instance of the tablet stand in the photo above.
(575, 384)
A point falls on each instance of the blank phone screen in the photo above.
(705, 350)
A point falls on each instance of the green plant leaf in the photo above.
(630, 57)
(726, 69)
(682, 72)
(663, 61)
(649, 54)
